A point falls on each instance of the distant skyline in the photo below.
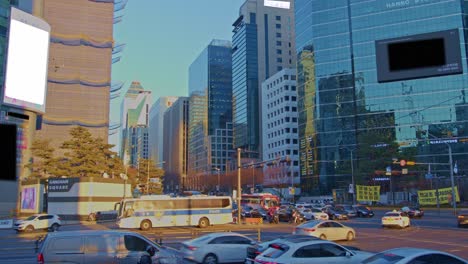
(162, 39)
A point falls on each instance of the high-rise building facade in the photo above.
(135, 125)
(175, 145)
(156, 128)
(210, 88)
(263, 44)
(378, 80)
(79, 74)
(280, 137)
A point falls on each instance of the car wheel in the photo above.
(359, 215)
(322, 236)
(210, 259)
(145, 225)
(29, 228)
(54, 227)
(203, 222)
(350, 236)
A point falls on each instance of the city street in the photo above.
(435, 231)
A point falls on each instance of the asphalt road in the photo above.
(436, 230)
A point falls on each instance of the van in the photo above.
(101, 246)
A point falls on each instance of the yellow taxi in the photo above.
(395, 219)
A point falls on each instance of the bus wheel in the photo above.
(145, 225)
(203, 222)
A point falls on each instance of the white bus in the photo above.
(164, 211)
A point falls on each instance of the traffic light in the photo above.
(407, 163)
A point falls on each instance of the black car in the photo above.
(412, 212)
(286, 215)
(335, 213)
(363, 211)
(257, 213)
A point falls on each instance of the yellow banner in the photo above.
(367, 193)
(429, 197)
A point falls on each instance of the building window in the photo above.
(278, 43)
(278, 26)
(293, 88)
(279, 52)
(286, 77)
(278, 35)
(279, 68)
(293, 98)
(293, 77)
(278, 18)
(279, 59)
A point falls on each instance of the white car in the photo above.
(395, 219)
(225, 247)
(299, 251)
(413, 255)
(38, 221)
(314, 214)
(330, 230)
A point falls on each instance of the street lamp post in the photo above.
(218, 171)
(454, 197)
(351, 151)
(253, 177)
(352, 176)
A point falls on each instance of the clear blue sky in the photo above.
(163, 37)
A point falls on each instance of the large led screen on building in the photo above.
(418, 56)
(27, 56)
(28, 198)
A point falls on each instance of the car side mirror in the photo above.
(253, 243)
(348, 254)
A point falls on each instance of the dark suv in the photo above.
(363, 211)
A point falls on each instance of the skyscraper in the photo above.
(280, 137)
(210, 88)
(156, 126)
(175, 145)
(135, 124)
(263, 44)
(379, 80)
(79, 74)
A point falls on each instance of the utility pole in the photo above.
(239, 207)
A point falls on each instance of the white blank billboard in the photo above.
(27, 59)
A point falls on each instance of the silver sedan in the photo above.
(414, 255)
(330, 230)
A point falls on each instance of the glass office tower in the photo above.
(210, 102)
(380, 80)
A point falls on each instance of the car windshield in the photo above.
(392, 214)
(383, 258)
(310, 223)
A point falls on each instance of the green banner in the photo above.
(429, 197)
(367, 193)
